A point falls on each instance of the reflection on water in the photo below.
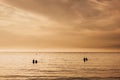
(59, 66)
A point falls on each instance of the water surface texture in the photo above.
(60, 66)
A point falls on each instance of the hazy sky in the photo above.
(60, 25)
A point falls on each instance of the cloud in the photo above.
(63, 23)
(16, 20)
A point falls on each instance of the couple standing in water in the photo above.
(85, 59)
(34, 61)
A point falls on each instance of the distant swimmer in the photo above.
(36, 61)
(84, 59)
(33, 61)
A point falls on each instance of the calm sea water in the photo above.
(60, 66)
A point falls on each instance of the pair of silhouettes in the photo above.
(85, 59)
(34, 61)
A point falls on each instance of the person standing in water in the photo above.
(33, 61)
(84, 59)
(36, 61)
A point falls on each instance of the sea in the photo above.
(59, 66)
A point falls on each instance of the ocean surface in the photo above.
(59, 66)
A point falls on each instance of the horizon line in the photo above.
(60, 51)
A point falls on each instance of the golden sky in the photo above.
(81, 25)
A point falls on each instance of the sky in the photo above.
(60, 25)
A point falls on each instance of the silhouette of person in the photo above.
(33, 61)
(84, 59)
(36, 61)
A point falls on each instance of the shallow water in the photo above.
(60, 66)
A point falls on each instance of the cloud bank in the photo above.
(62, 24)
